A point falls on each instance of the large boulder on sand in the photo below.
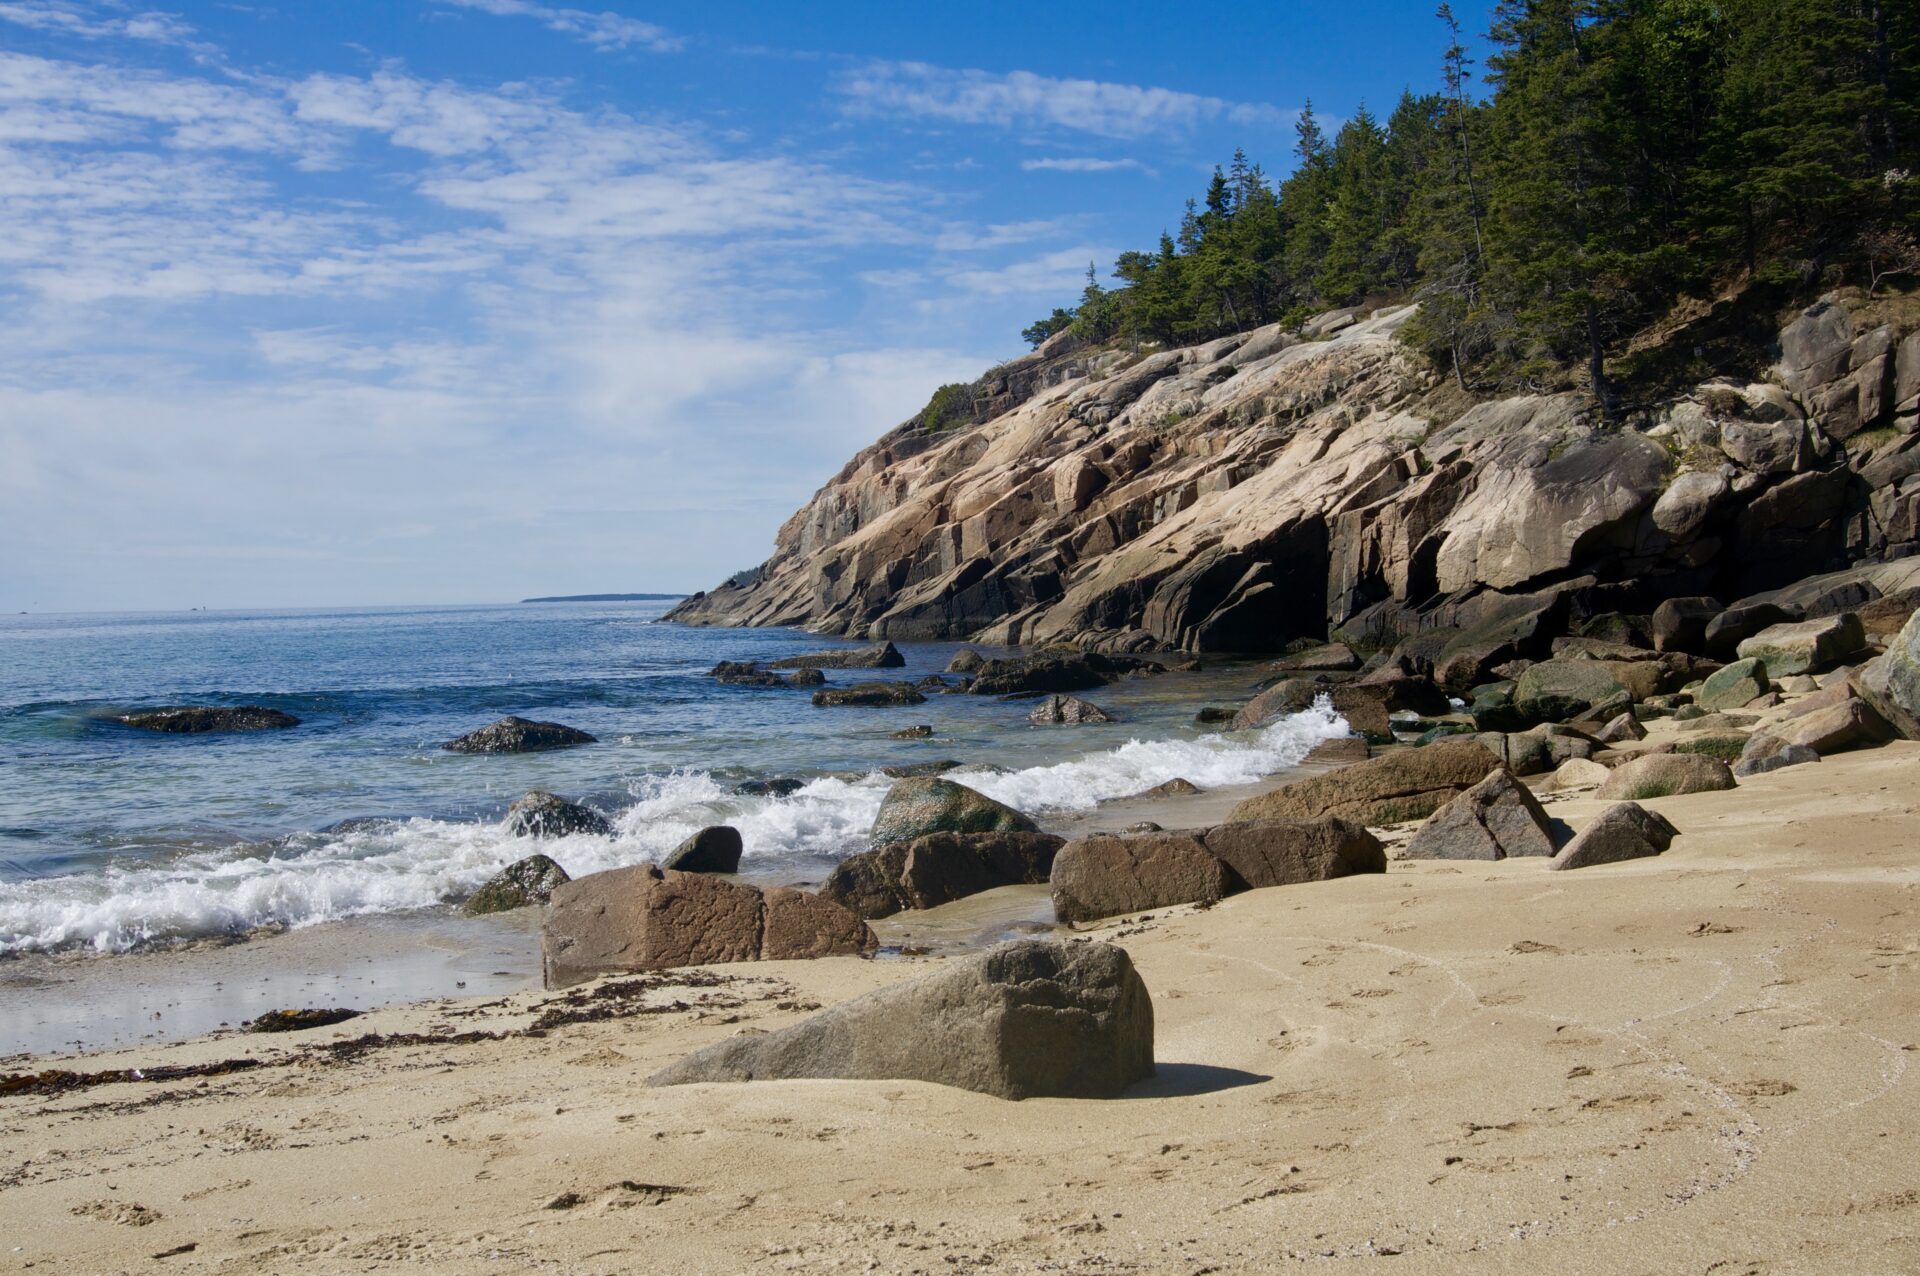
(711, 850)
(1765, 752)
(202, 718)
(1104, 874)
(1890, 682)
(1849, 724)
(518, 735)
(1027, 1019)
(1734, 687)
(1624, 831)
(1806, 646)
(521, 884)
(1264, 853)
(1555, 690)
(1058, 710)
(1496, 819)
(1666, 775)
(541, 814)
(1740, 622)
(928, 804)
(1406, 785)
(647, 918)
(879, 656)
(938, 869)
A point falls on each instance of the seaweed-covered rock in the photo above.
(1807, 646)
(519, 735)
(521, 884)
(1734, 687)
(922, 805)
(1554, 690)
(1027, 1019)
(869, 695)
(200, 719)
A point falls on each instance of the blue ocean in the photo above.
(113, 838)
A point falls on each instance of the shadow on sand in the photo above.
(1172, 1080)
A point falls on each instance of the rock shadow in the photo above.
(1176, 1080)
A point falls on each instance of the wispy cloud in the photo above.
(1082, 164)
(1054, 274)
(604, 30)
(1024, 99)
(90, 22)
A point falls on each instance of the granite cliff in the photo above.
(1280, 485)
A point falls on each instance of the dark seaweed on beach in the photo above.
(294, 1020)
(621, 999)
(60, 1080)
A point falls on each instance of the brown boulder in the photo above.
(1496, 819)
(1103, 875)
(1265, 853)
(1849, 724)
(1025, 1019)
(1667, 775)
(647, 918)
(938, 869)
(1624, 831)
(1406, 784)
(800, 924)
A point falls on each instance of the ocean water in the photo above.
(113, 838)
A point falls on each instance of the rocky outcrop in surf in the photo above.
(1264, 488)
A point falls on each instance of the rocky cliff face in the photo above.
(1240, 494)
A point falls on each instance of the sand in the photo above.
(1697, 1063)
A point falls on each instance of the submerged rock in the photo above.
(541, 814)
(518, 735)
(1067, 710)
(869, 695)
(919, 806)
(521, 884)
(1024, 1020)
(202, 719)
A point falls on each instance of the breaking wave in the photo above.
(403, 865)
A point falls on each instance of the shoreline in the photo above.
(1700, 1061)
(51, 1004)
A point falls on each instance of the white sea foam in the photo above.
(421, 863)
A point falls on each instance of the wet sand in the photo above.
(1695, 1063)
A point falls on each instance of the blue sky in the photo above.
(464, 300)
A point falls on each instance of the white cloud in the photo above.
(1024, 99)
(603, 30)
(1082, 164)
(89, 23)
(1054, 274)
(499, 334)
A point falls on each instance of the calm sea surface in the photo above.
(112, 838)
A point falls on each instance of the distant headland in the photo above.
(606, 598)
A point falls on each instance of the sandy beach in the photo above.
(1695, 1063)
